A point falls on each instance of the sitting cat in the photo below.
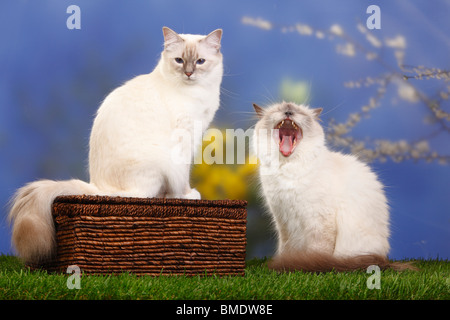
(131, 144)
(329, 209)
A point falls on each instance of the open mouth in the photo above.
(289, 134)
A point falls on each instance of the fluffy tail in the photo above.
(33, 234)
(317, 262)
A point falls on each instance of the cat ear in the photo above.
(259, 110)
(317, 112)
(170, 37)
(213, 39)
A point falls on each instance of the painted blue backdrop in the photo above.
(52, 80)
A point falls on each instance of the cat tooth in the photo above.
(282, 123)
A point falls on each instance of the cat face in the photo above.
(289, 124)
(192, 58)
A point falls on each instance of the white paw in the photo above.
(193, 194)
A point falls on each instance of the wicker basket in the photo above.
(155, 236)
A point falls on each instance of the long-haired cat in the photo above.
(131, 148)
(329, 209)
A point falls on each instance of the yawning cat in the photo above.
(329, 209)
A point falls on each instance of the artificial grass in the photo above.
(432, 282)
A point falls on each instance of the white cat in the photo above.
(329, 209)
(132, 142)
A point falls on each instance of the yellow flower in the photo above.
(222, 181)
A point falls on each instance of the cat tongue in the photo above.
(288, 134)
(286, 145)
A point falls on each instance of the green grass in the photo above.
(432, 282)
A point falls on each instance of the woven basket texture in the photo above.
(149, 236)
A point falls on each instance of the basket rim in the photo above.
(99, 199)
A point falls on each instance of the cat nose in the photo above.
(288, 113)
(188, 73)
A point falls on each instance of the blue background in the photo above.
(53, 79)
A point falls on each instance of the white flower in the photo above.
(354, 117)
(373, 40)
(348, 49)
(340, 129)
(365, 109)
(361, 28)
(407, 93)
(258, 22)
(399, 42)
(422, 146)
(304, 29)
(320, 35)
(403, 146)
(336, 30)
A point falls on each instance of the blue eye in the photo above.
(179, 60)
(201, 61)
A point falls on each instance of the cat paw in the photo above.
(193, 194)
